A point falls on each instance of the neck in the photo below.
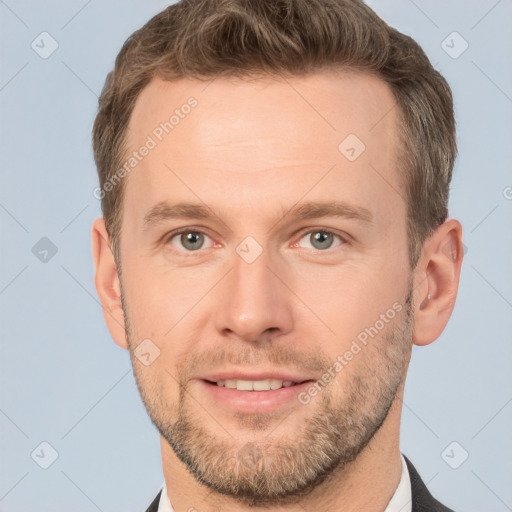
(367, 483)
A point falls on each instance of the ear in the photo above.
(106, 281)
(436, 281)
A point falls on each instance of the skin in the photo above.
(250, 151)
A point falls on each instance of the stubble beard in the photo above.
(273, 469)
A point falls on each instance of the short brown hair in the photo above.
(204, 39)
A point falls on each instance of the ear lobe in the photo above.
(437, 282)
(106, 281)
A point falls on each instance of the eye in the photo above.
(321, 239)
(189, 239)
(193, 240)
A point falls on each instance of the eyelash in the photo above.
(344, 239)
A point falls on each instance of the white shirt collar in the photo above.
(164, 505)
(401, 501)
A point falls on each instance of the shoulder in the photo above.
(422, 500)
(154, 505)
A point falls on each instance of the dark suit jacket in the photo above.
(422, 500)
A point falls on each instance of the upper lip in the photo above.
(261, 375)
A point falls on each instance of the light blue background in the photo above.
(62, 378)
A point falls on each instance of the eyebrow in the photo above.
(307, 210)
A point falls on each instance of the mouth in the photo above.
(254, 396)
(255, 385)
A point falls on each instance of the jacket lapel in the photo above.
(422, 500)
(154, 505)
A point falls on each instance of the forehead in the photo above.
(247, 140)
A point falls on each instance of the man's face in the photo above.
(254, 291)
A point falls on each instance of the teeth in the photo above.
(260, 385)
(244, 385)
(255, 385)
(276, 384)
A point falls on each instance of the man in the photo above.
(305, 149)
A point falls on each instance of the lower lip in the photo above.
(255, 401)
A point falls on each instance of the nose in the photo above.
(254, 302)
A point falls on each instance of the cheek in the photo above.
(158, 389)
(168, 308)
(154, 301)
(348, 299)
